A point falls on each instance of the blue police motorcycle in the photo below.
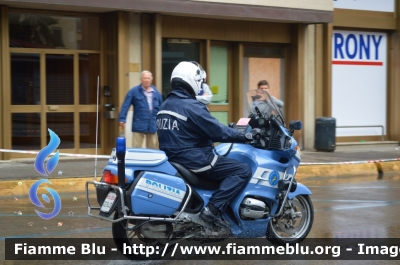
(159, 202)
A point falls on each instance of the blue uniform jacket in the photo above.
(143, 121)
(186, 131)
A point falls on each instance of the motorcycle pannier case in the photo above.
(157, 194)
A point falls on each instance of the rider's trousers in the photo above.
(234, 175)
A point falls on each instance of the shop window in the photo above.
(87, 130)
(263, 52)
(221, 116)
(66, 80)
(263, 63)
(59, 79)
(25, 129)
(63, 125)
(175, 51)
(219, 74)
(36, 30)
(89, 71)
(25, 79)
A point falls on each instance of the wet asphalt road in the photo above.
(344, 208)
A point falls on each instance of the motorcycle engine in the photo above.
(155, 230)
(163, 230)
(253, 208)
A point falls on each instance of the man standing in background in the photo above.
(146, 101)
(261, 100)
(264, 85)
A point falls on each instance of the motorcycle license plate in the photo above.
(109, 202)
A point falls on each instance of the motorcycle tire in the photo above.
(120, 237)
(282, 230)
(123, 237)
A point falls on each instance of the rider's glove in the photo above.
(255, 134)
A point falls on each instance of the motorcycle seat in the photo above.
(194, 180)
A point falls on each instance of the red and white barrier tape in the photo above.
(301, 163)
(350, 162)
(61, 154)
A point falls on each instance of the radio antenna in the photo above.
(97, 127)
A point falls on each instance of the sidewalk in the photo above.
(85, 167)
(374, 163)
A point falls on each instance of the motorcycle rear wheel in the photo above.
(123, 236)
(294, 224)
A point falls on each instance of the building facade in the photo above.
(62, 62)
(365, 63)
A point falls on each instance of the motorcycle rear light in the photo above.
(110, 178)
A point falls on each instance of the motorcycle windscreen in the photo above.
(157, 194)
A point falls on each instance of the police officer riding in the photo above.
(186, 132)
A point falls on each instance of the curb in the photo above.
(338, 170)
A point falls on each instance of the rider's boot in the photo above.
(215, 218)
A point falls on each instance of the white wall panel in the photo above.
(370, 5)
(359, 72)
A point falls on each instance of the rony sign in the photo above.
(357, 48)
(359, 73)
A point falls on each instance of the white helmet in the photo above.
(204, 75)
(189, 75)
(205, 94)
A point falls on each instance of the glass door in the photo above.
(56, 91)
(54, 66)
(263, 63)
(175, 51)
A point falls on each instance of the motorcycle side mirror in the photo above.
(294, 125)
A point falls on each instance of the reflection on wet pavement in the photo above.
(344, 208)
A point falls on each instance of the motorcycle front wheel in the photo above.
(295, 222)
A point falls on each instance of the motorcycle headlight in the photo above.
(288, 143)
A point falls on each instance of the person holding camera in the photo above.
(261, 101)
